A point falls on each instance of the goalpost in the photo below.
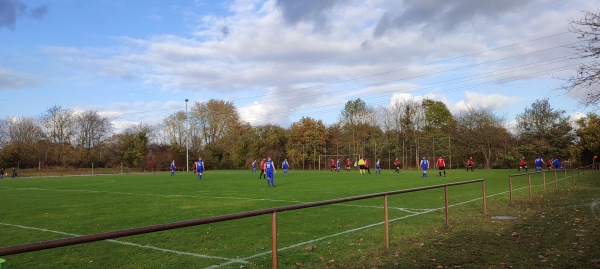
(342, 157)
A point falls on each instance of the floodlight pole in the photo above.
(187, 140)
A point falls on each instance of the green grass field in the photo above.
(39, 209)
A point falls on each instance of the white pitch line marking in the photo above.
(131, 244)
(195, 196)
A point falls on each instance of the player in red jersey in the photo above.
(397, 165)
(333, 166)
(441, 164)
(262, 168)
(470, 164)
(523, 164)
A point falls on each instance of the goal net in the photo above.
(325, 159)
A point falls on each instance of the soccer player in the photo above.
(339, 165)
(397, 165)
(538, 164)
(424, 165)
(441, 164)
(377, 167)
(348, 164)
(173, 168)
(470, 164)
(262, 169)
(285, 165)
(556, 163)
(195, 167)
(367, 166)
(522, 164)
(200, 167)
(549, 164)
(270, 172)
(332, 165)
(361, 165)
(254, 167)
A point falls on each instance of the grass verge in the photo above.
(558, 230)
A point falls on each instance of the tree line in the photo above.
(407, 130)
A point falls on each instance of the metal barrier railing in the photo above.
(10, 250)
(586, 170)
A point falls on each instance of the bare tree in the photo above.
(91, 128)
(24, 141)
(175, 128)
(58, 127)
(587, 77)
(24, 129)
(3, 132)
(58, 124)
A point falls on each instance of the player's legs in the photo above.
(271, 178)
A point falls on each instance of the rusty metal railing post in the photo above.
(565, 177)
(529, 183)
(386, 222)
(484, 198)
(555, 180)
(544, 180)
(274, 239)
(510, 190)
(446, 203)
(572, 176)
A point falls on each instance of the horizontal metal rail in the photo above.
(17, 249)
(543, 172)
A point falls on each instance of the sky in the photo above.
(277, 61)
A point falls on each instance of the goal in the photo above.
(342, 157)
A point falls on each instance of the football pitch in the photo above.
(41, 209)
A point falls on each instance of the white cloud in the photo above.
(271, 57)
(575, 116)
(482, 100)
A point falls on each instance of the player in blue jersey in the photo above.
(270, 172)
(200, 167)
(556, 163)
(538, 164)
(285, 165)
(377, 167)
(339, 165)
(173, 167)
(254, 167)
(424, 165)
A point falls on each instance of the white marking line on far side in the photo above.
(411, 210)
(356, 229)
(132, 244)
